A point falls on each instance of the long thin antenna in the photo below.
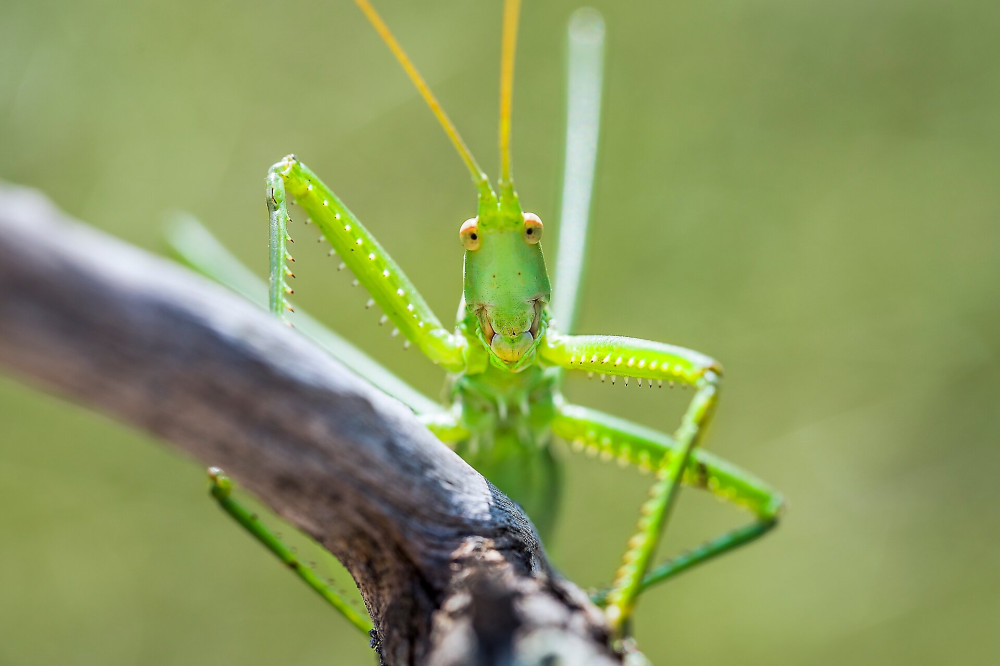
(511, 9)
(478, 177)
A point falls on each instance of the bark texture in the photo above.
(451, 570)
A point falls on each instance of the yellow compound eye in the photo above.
(469, 233)
(532, 228)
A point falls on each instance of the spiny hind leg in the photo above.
(221, 490)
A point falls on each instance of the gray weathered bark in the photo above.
(452, 571)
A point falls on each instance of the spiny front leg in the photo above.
(195, 246)
(371, 264)
(643, 359)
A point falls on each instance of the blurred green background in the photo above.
(808, 191)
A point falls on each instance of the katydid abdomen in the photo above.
(509, 420)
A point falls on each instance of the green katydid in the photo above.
(506, 357)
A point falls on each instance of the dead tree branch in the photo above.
(451, 571)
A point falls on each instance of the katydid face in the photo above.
(506, 284)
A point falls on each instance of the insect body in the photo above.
(507, 355)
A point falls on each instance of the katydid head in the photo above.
(506, 284)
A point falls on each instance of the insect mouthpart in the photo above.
(510, 345)
(536, 321)
(485, 325)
